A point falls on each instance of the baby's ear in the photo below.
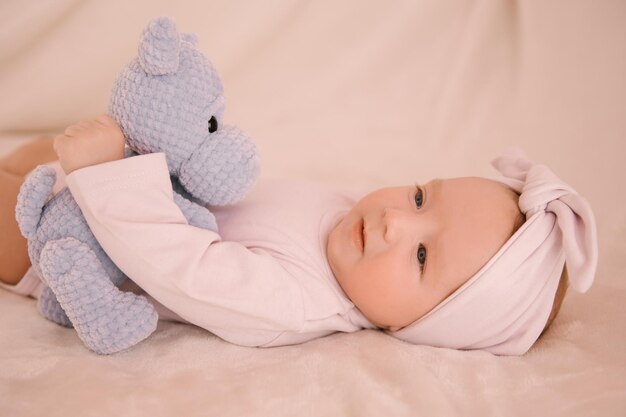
(159, 47)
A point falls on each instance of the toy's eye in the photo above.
(212, 124)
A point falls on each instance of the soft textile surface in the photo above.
(357, 95)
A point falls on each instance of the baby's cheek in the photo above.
(382, 280)
(385, 296)
(363, 285)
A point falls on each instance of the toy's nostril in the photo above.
(212, 124)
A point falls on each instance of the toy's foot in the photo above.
(106, 319)
(49, 307)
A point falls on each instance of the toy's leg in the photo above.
(49, 307)
(106, 319)
(14, 260)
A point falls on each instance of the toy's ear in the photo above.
(159, 47)
(191, 38)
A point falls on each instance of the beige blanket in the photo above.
(358, 94)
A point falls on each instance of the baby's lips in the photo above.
(358, 237)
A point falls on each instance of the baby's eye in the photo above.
(212, 124)
(419, 197)
(421, 255)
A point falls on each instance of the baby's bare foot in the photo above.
(26, 157)
(14, 260)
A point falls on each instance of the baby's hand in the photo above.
(89, 143)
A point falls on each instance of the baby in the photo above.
(465, 263)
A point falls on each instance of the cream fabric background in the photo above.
(358, 94)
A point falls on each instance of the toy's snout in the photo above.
(222, 169)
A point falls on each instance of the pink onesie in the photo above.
(264, 280)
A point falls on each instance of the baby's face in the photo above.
(401, 251)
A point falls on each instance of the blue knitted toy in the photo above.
(169, 99)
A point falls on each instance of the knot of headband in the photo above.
(541, 190)
(504, 307)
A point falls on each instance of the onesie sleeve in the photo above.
(243, 295)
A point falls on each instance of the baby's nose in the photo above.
(395, 221)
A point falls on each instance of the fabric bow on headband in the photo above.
(504, 307)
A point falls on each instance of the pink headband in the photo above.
(504, 307)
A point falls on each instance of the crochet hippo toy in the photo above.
(168, 99)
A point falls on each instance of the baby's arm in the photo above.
(240, 294)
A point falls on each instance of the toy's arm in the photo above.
(195, 214)
(245, 296)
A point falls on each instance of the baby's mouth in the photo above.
(358, 237)
(363, 234)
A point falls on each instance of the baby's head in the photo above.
(401, 251)
(404, 255)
